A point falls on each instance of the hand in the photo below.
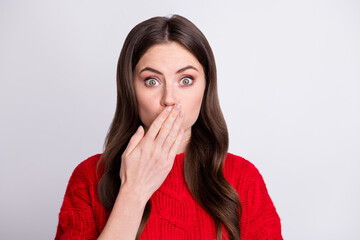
(147, 160)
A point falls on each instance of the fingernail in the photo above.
(181, 115)
(168, 109)
(140, 129)
(178, 107)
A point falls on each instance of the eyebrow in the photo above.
(178, 71)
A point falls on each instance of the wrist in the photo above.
(127, 192)
(125, 216)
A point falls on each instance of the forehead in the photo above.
(167, 55)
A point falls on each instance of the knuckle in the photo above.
(166, 144)
(168, 165)
(166, 128)
(142, 151)
(145, 151)
(170, 139)
(172, 118)
(156, 151)
(164, 165)
(156, 124)
(178, 121)
(160, 119)
(172, 136)
(163, 156)
(171, 154)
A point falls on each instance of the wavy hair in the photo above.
(207, 149)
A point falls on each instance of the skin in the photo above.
(166, 75)
(169, 84)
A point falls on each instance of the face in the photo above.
(168, 74)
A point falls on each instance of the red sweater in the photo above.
(174, 214)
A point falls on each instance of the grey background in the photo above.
(289, 88)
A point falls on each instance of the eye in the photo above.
(152, 82)
(186, 81)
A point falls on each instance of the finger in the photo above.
(168, 125)
(171, 137)
(174, 148)
(134, 140)
(157, 123)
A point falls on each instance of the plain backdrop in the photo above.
(289, 87)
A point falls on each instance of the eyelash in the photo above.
(147, 81)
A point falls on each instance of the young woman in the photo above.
(165, 172)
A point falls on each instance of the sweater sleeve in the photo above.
(262, 221)
(76, 217)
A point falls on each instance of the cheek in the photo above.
(147, 112)
(192, 110)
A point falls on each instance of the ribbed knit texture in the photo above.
(175, 214)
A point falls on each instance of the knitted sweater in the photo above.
(174, 213)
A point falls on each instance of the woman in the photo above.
(165, 172)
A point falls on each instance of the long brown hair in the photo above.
(207, 149)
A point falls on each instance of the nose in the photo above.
(168, 97)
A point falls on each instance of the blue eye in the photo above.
(186, 81)
(152, 82)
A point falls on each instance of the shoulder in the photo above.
(80, 205)
(85, 173)
(259, 218)
(89, 163)
(236, 161)
(238, 165)
(239, 172)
